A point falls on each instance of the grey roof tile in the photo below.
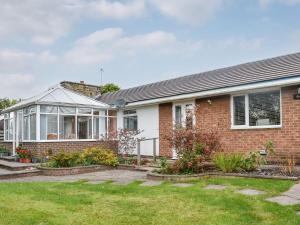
(247, 73)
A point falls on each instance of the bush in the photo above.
(3, 149)
(228, 163)
(99, 156)
(234, 162)
(65, 159)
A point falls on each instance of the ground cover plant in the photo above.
(91, 156)
(83, 203)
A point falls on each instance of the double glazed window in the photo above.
(29, 123)
(130, 120)
(257, 109)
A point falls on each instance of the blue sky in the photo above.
(136, 41)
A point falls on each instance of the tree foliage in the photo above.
(5, 102)
(109, 88)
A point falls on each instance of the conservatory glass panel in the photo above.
(84, 111)
(67, 127)
(96, 127)
(67, 110)
(48, 109)
(84, 126)
(32, 127)
(48, 127)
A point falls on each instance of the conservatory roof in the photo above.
(58, 95)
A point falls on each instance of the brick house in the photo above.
(247, 104)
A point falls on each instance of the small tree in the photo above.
(109, 88)
(127, 140)
(5, 102)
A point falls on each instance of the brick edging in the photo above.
(156, 176)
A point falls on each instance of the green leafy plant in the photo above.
(270, 147)
(65, 159)
(99, 156)
(252, 161)
(236, 162)
(3, 149)
(228, 163)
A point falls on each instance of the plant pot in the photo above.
(22, 160)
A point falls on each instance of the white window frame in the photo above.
(131, 115)
(246, 94)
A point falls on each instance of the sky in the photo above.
(43, 42)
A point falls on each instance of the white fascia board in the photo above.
(221, 91)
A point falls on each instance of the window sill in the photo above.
(255, 127)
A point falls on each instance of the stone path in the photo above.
(290, 197)
(250, 192)
(151, 183)
(183, 185)
(120, 176)
(215, 187)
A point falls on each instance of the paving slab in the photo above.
(215, 187)
(183, 185)
(96, 182)
(151, 183)
(108, 175)
(293, 192)
(122, 182)
(250, 192)
(284, 200)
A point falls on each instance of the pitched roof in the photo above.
(58, 95)
(248, 73)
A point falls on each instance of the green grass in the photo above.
(108, 204)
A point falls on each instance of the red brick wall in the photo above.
(218, 116)
(42, 148)
(165, 125)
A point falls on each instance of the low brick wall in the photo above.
(46, 148)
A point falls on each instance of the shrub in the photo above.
(99, 156)
(235, 162)
(252, 161)
(3, 149)
(65, 159)
(228, 163)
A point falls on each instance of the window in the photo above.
(84, 126)
(8, 126)
(257, 109)
(239, 110)
(67, 127)
(49, 129)
(178, 116)
(129, 119)
(29, 123)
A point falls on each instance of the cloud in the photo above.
(241, 43)
(43, 22)
(113, 10)
(13, 85)
(265, 3)
(107, 44)
(192, 12)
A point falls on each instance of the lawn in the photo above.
(108, 204)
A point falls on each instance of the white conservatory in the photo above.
(57, 115)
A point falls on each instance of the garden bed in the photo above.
(266, 172)
(63, 171)
(49, 171)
